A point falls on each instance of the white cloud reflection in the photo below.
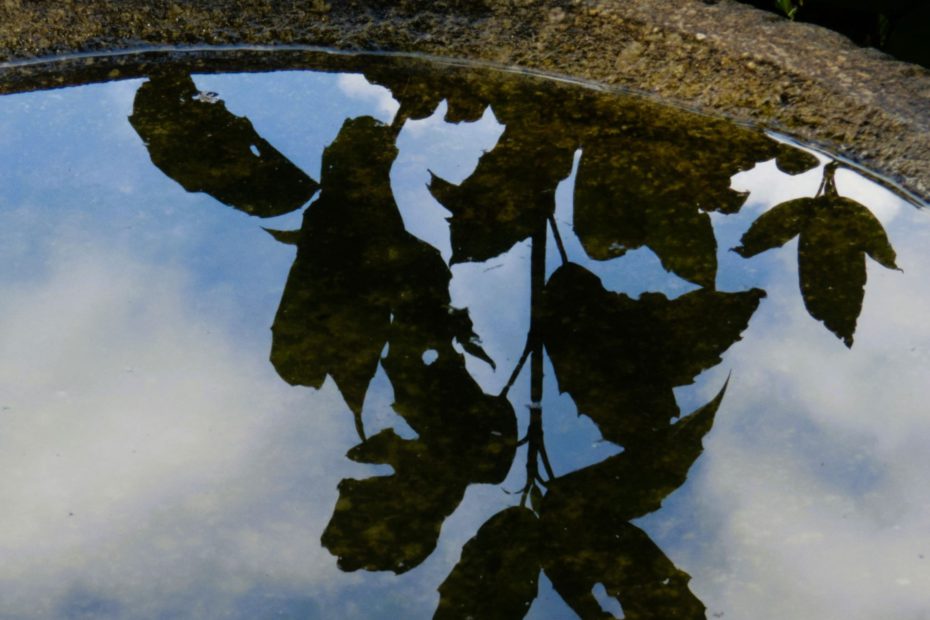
(355, 86)
(149, 458)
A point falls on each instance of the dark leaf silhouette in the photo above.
(390, 522)
(510, 192)
(612, 217)
(775, 227)
(440, 397)
(393, 522)
(335, 313)
(632, 569)
(619, 357)
(420, 93)
(469, 431)
(582, 552)
(633, 483)
(464, 435)
(197, 142)
(357, 266)
(835, 233)
(650, 183)
(498, 572)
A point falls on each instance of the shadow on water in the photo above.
(361, 285)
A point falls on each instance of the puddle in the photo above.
(397, 342)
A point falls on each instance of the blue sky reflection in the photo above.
(155, 465)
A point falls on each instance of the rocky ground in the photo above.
(722, 58)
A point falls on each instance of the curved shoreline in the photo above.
(724, 59)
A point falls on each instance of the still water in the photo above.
(413, 342)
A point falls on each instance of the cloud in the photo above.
(354, 85)
(152, 458)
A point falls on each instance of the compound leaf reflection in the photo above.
(196, 141)
(498, 572)
(588, 538)
(835, 234)
(619, 357)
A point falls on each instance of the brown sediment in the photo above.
(723, 59)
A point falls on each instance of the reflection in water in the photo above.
(835, 235)
(196, 141)
(361, 282)
(512, 191)
(619, 358)
(653, 185)
(584, 518)
(364, 297)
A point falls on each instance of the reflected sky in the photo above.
(153, 464)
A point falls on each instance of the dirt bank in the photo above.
(722, 58)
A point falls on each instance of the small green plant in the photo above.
(788, 7)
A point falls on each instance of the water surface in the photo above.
(410, 342)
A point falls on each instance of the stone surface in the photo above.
(720, 58)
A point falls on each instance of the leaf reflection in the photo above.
(393, 522)
(335, 312)
(498, 573)
(356, 267)
(196, 141)
(585, 518)
(835, 234)
(651, 183)
(619, 357)
(420, 95)
(511, 191)
(464, 435)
